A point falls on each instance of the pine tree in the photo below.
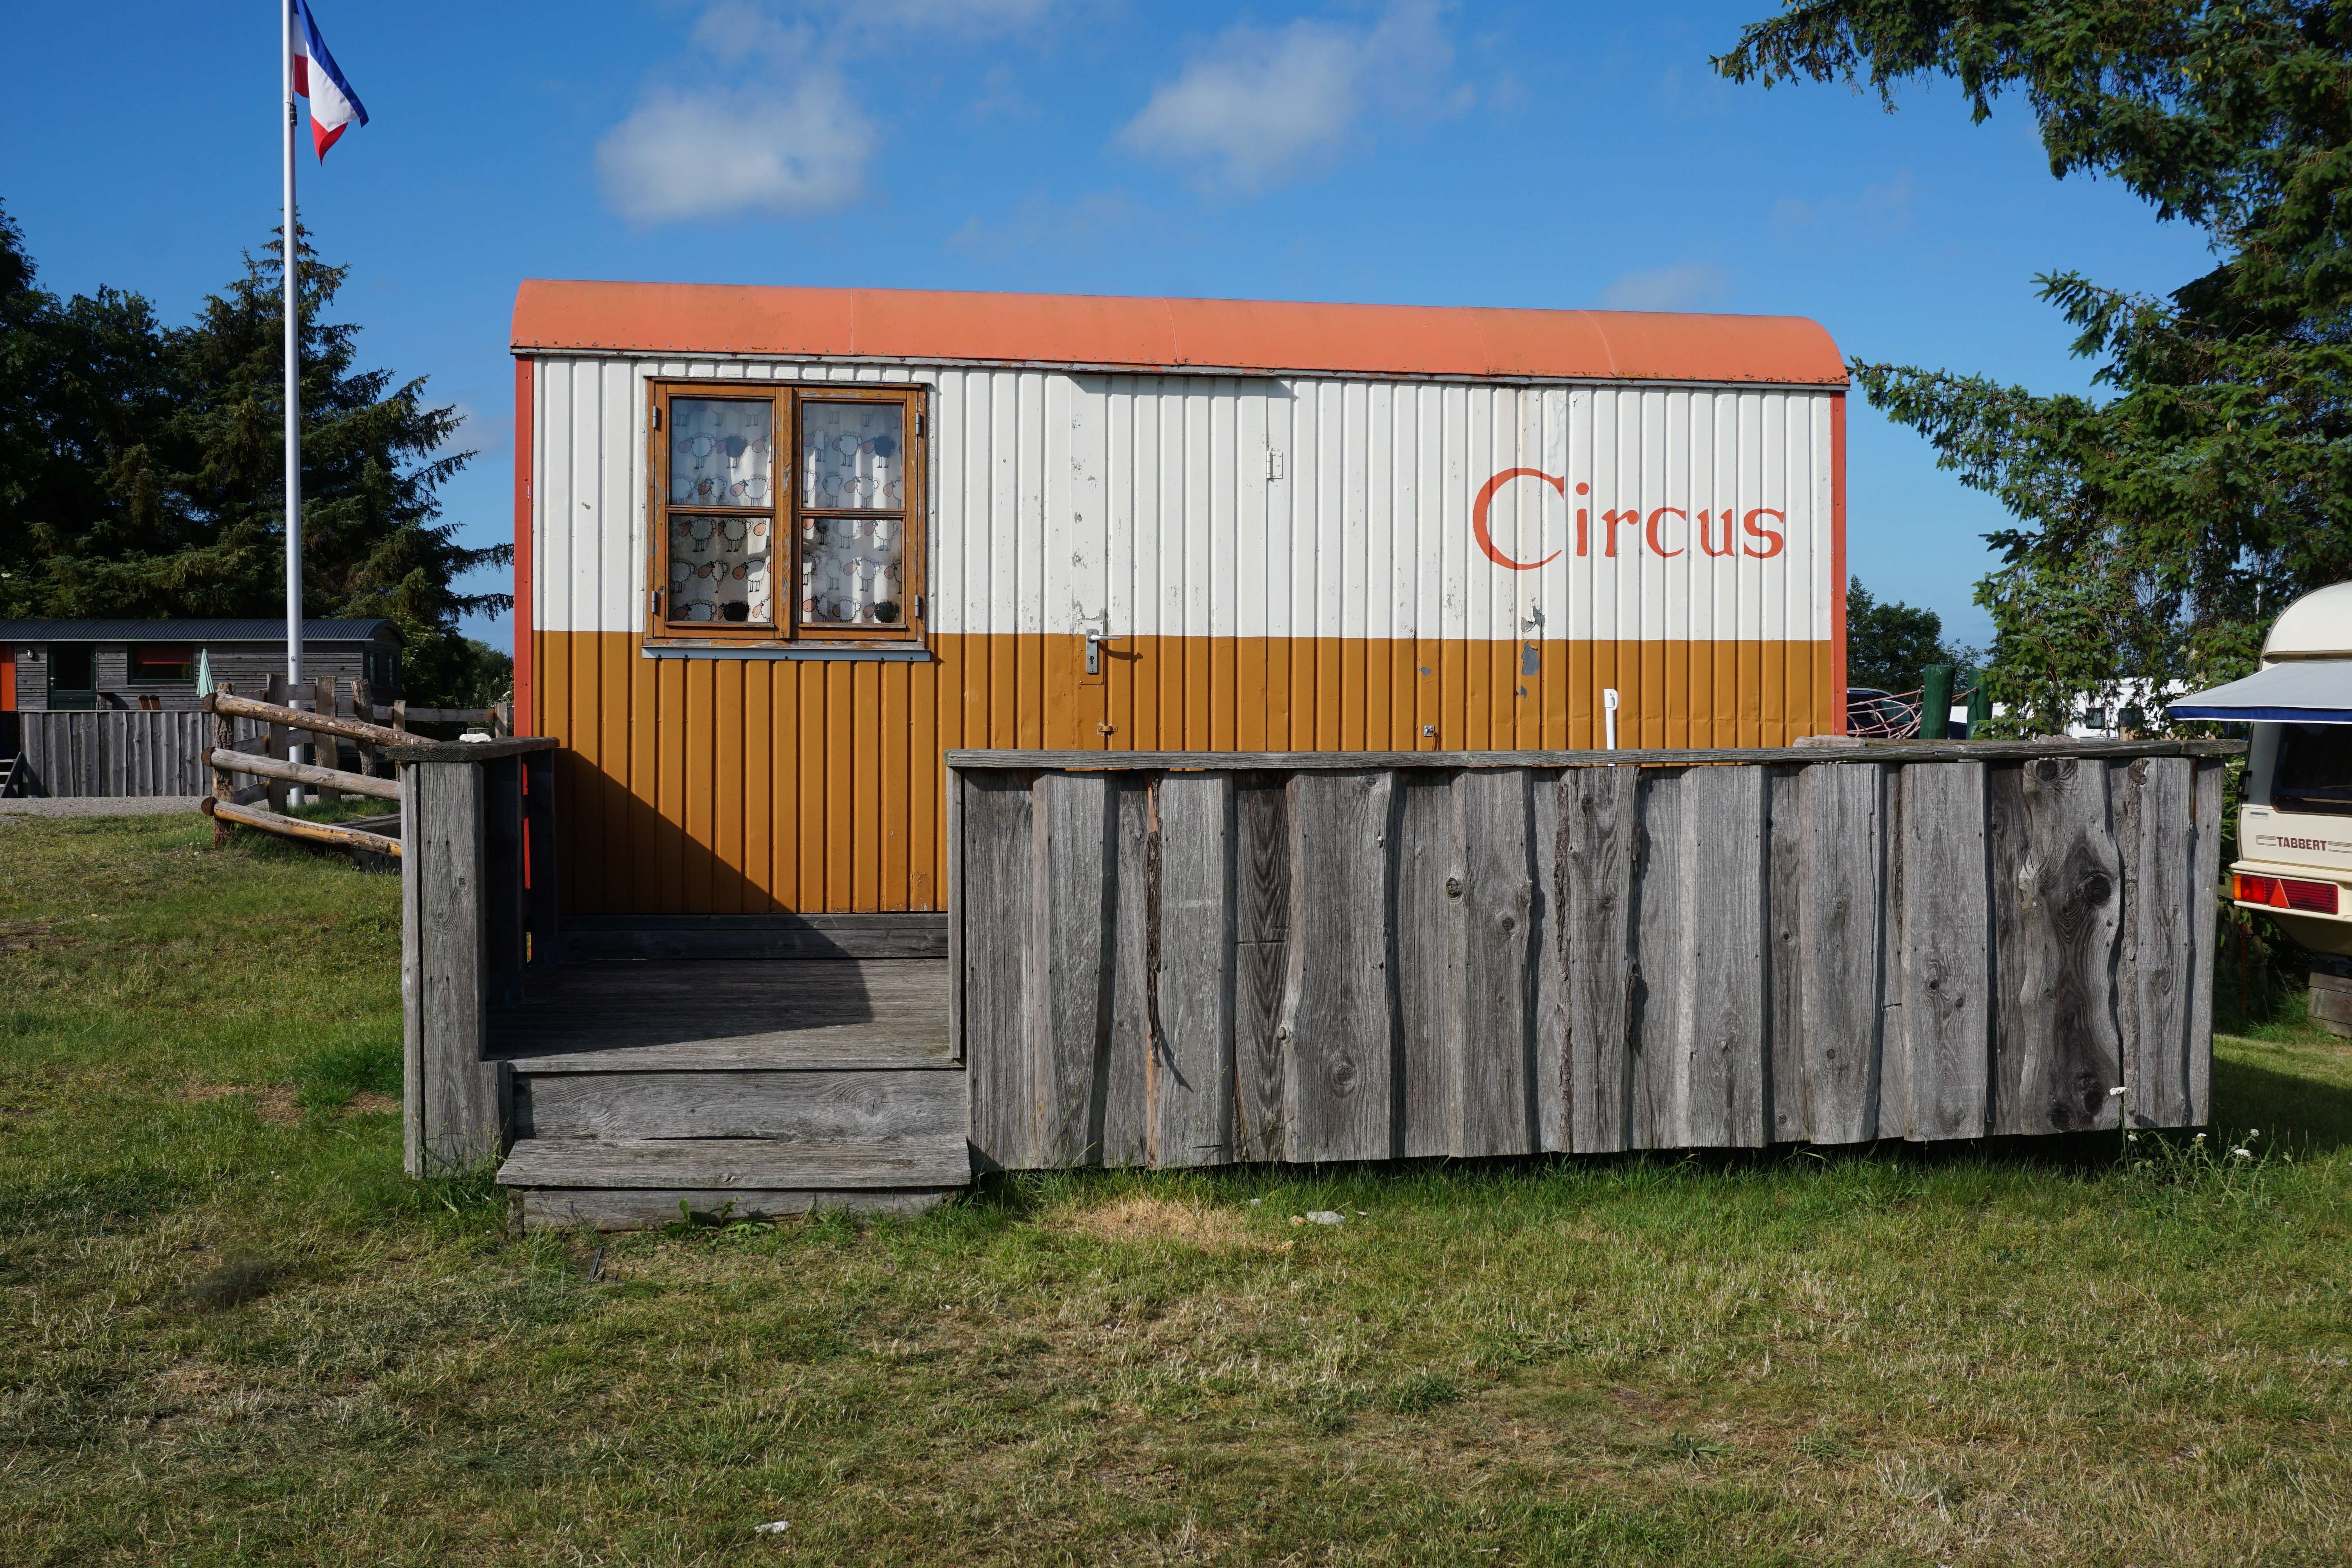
(141, 470)
(2163, 524)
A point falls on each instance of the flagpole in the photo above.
(293, 364)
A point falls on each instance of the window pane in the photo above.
(853, 455)
(719, 569)
(720, 453)
(2313, 771)
(850, 570)
(153, 664)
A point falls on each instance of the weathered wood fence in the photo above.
(1170, 960)
(122, 753)
(142, 751)
(476, 907)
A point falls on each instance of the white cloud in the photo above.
(483, 435)
(1003, 98)
(1039, 226)
(711, 155)
(760, 118)
(950, 16)
(1685, 288)
(735, 30)
(1260, 107)
(1879, 211)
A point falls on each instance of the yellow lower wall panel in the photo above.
(732, 786)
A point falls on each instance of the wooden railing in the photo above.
(478, 909)
(229, 803)
(1192, 959)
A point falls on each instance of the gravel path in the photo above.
(100, 805)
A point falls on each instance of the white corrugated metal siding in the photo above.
(1206, 506)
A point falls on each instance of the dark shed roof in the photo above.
(193, 631)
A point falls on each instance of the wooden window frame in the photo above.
(787, 512)
(133, 676)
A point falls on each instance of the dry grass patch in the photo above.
(1184, 1221)
(22, 938)
(189, 1379)
(276, 1104)
(280, 1105)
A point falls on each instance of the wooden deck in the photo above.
(1205, 959)
(715, 1015)
(751, 1087)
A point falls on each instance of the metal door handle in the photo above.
(1095, 638)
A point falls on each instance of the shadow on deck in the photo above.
(720, 1014)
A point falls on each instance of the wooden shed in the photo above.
(68, 665)
(778, 551)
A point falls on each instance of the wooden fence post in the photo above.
(454, 1105)
(223, 729)
(363, 710)
(477, 897)
(324, 702)
(504, 901)
(273, 743)
(539, 856)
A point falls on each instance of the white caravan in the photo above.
(2294, 825)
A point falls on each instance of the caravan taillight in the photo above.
(2285, 893)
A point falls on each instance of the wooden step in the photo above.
(747, 1087)
(871, 1049)
(584, 1100)
(727, 1164)
(650, 1208)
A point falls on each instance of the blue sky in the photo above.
(1560, 155)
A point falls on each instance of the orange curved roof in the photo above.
(1171, 334)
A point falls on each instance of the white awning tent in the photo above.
(2297, 691)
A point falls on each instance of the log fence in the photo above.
(228, 803)
(1197, 959)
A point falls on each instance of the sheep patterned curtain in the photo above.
(853, 461)
(721, 455)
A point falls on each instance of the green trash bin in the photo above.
(1936, 701)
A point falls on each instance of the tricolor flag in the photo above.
(333, 104)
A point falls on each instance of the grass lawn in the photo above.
(232, 1332)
